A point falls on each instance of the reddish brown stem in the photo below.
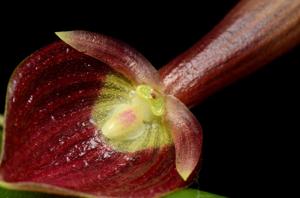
(251, 35)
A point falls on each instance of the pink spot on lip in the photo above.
(127, 117)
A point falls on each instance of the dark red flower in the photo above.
(89, 117)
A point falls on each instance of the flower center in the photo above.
(130, 118)
(127, 120)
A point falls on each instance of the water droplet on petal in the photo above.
(30, 99)
(92, 121)
(53, 118)
(85, 163)
(106, 155)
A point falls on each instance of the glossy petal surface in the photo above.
(117, 54)
(187, 136)
(53, 144)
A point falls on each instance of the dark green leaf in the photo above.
(4, 193)
(1, 131)
(1, 121)
(192, 193)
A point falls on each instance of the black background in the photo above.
(249, 127)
